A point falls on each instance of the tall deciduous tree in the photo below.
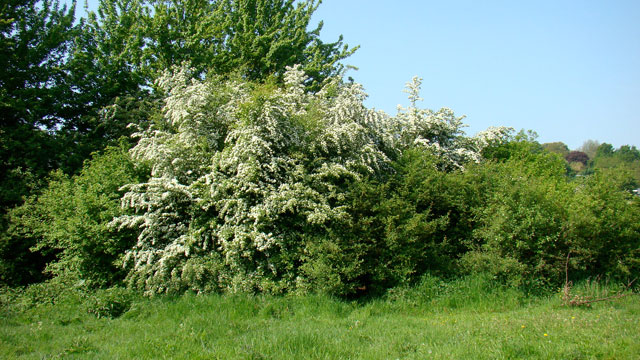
(253, 38)
(110, 85)
(262, 37)
(34, 92)
(127, 44)
(34, 38)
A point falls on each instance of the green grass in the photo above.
(464, 319)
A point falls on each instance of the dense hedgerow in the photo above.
(532, 217)
(516, 217)
(260, 187)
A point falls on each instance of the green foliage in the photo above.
(524, 214)
(521, 145)
(70, 219)
(259, 39)
(34, 38)
(533, 217)
(412, 223)
(111, 88)
(503, 269)
(254, 39)
(255, 168)
(626, 158)
(109, 303)
(52, 93)
(557, 147)
(20, 266)
(53, 292)
(604, 226)
(425, 215)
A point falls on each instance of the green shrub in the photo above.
(70, 219)
(60, 292)
(199, 274)
(533, 216)
(504, 269)
(399, 228)
(423, 217)
(521, 225)
(109, 303)
(603, 227)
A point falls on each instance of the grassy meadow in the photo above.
(469, 318)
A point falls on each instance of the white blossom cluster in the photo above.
(242, 170)
(494, 135)
(440, 131)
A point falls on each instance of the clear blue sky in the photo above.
(567, 69)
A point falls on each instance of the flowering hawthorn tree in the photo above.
(241, 172)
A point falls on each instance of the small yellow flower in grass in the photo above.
(573, 318)
(523, 326)
(545, 334)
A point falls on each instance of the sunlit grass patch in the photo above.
(468, 318)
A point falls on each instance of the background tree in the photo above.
(255, 39)
(590, 147)
(111, 87)
(628, 153)
(34, 91)
(262, 37)
(604, 150)
(577, 156)
(557, 147)
(626, 158)
(34, 39)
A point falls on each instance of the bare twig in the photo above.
(585, 301)
(566, 269)
(566, 290)
(578, 300)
